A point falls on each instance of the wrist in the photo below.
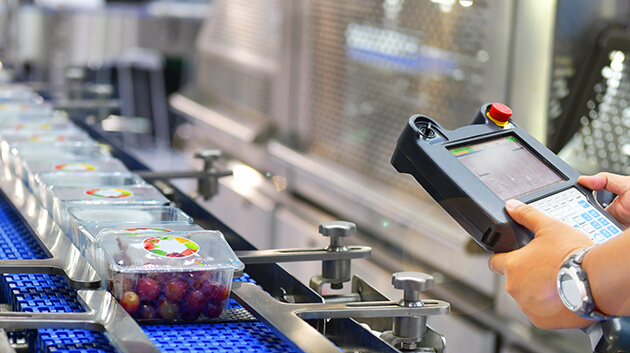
(591, 266)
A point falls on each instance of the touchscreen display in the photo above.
(505, 166)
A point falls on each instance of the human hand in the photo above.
(617, 184)
(531, 271)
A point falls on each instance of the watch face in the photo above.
(570, 292)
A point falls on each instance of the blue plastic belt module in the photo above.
(51, 293)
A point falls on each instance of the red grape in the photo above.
(130, 301)
(147, 289)
(168, 309)
(200, 278)
(160, 278)
(146, 312)
(192, 305)
(215, 291)
(175, 289)
(212, 310)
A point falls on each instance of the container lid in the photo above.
(127, 215)
(94, 232)
(176, 252)
(146, 194)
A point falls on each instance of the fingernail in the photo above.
(512, 204)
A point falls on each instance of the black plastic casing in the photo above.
(422, 150)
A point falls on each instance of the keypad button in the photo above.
(572, 207)
(588, 228)
(613, 230)
(579, 220)
(598, 237)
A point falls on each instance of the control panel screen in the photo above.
(507, 167)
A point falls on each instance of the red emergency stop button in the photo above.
(500, 114)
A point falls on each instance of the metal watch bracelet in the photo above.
(572, 270)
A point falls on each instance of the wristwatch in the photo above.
(574, 289)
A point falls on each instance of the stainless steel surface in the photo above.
(337, 230)
(250, 257)
(409, 331)
(5, 345)
(207, 178)
(103, 313)
(335, 272)
(65, 259)
(412, 283)
(287, 319)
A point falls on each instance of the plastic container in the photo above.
(54, 153)
(93, 220)
(181, 277)
(34, 123)
(35, 138)
(18, 93)
(9, 109)
(93, 197)
(88, 237)
(42, 183)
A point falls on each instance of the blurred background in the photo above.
(306, 100)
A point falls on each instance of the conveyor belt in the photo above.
(51, 293)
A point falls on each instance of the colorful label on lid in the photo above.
(136, 231)
(47, 138)
(170, 246)
(109, 193)
(37, 126)
(75, 167)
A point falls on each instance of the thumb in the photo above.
(527, 215)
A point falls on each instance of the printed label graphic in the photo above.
(170, 246)
(136, 231)
(34, 126)
(75, 167)
(109, 193)
(47, 138)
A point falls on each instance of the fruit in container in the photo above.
(182, 276)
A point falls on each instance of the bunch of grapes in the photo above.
(171, 296)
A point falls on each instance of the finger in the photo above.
(528, 216)
(614, 183)
(497, 263)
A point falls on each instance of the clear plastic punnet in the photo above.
(183, 276)
(41, 184)
(15, 139)
(55, 153)
(88, 237)
(21, 108)
(93, 220)
(32, 123)
(18, 93)
(95, 197)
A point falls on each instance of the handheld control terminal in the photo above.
(471, 171)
